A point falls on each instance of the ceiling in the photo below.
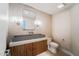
(49, 8)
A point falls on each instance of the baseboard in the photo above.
(66, 51)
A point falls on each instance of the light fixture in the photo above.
(61, 5)
(37, 23)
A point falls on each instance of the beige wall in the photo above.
(75, 29)
(61, 27)
(15, 11)
(3, 27)
(65, 25)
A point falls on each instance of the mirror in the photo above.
(28, 20)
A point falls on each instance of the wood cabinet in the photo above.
(30, 49)
(44, 45)
(21, 50)
(18, 50)
(37, 47)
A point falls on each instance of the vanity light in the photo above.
(37, 23)
(61, 5)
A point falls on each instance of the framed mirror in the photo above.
(28, 17)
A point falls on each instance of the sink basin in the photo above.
(27, 37)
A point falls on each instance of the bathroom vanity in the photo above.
(29, 47)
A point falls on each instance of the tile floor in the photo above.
(46, 53)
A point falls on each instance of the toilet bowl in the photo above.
(53, 47)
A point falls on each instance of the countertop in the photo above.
(11, 44)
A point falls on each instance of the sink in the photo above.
(27, 37)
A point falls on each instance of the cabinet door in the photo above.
(45, 47)
(22, 50)
(18, 50)
(35, 48)
(28, 48)
(39, 47)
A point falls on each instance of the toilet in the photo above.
(52, 47)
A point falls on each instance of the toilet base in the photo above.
(52, 50)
